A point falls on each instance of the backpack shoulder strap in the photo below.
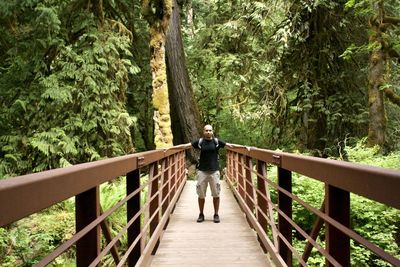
(214, 139)
(200, 141)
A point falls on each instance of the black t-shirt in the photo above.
(208, 154)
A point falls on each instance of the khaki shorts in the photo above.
(203, 179)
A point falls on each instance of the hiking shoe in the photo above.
(216, 218)
(201, 218)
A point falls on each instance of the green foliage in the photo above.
(64, 92)
(378, 224)
(274, 67)
(28, 240)
(229, 67)
(360, 152)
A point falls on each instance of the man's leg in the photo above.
(201, 205)
(201, 208)
(216, 204)
(201, 192)
(215, 190)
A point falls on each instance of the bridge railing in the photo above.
(251, 186)
(28, 194)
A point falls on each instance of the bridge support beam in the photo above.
(337, 206)
(87, 209)
(285, 205)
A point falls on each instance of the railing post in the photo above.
(165, 186)
(249, 184)
(241, 186)
(229, 164)
(285, 205)
(337, 206)
(133, 207)
(262, 204)
(173, 176)
(235, 166)
(154, 203)
(87, 209)
(182, 167)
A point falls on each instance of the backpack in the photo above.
(214, 139)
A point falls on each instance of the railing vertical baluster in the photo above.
(235, 166)
(179, 170)
(262, 204)
(249, 183)
(285, 205)
(231, 163)
(133, 207)
(165, 185)
(183, 166)
(337, 206)
(172, 184)
(154, 203)
(87, 209)
(241, 176)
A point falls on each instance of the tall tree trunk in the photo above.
(377, 118)
(180, 88)
(99, 11)
(157, 14)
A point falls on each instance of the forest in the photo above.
(84, 80)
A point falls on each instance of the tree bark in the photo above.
(377, 118)
(187, 126)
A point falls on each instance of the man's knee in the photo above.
(200, 191)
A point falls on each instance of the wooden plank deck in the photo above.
(228, 243)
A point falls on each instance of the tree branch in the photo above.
(391, 20)
(392, 96)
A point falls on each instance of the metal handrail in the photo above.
(340, 179)
(25, 195)
(28, 194)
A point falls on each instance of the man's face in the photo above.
(208, 132)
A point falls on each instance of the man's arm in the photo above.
(233, 146)
(185, 146)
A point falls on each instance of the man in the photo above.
(208, 170)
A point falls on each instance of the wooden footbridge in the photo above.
(256, 228)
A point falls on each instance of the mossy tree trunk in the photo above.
(157, 14)
(377, 118)
(381, 54)
(186, 122)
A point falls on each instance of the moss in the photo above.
(157, 37)
(158, 28)
(161, 101)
